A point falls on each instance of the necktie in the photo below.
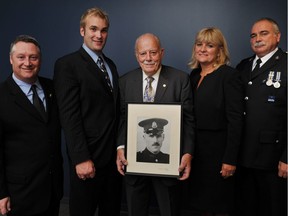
(256, 68)
(37, 102)
(149, 92)
(102, 67)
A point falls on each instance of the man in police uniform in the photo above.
(154, 137)
(262, 170)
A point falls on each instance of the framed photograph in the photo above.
(153, 139)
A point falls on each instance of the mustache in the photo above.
(156, 144)
(258, 44)
(149, 62)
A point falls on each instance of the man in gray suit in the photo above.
(154, 82)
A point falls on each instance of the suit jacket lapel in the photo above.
(270, 63)
(21, 99)
(135, 89)
(48, 97)
(163, 84)
(114, 76)
(91, 65)
(94, 69)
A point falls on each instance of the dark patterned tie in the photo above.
(37, 102)
(149, 92)
(102, 67)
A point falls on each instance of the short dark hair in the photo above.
(26, 39)
(272, 21)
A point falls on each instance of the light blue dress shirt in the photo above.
(94, 56)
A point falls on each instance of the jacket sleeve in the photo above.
(67, 89)
(188, 117)
(234, 109)
(3, 188)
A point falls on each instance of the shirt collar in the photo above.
(91, 53)
(155, 76)
(25, 86)
(265, 58)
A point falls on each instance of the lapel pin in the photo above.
(164, 85)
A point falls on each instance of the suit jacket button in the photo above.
(246, 98)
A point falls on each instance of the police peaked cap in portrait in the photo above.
(153, 126)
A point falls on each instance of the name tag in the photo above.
(271, 99)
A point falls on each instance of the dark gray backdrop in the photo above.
(55, 23)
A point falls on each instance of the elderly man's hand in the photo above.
(5, 205)
(282, 169)
(121, 161)
(185, 166)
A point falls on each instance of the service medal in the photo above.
(269, 81)
(276, 84)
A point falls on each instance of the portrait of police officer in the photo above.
(153, 135)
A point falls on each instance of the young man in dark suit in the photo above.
(165, 85)
(86, 85)
(31, 172)
(262, 173)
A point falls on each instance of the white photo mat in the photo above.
(171, 145)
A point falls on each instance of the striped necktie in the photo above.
(149, 92)
(102, 67)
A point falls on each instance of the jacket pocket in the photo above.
(16, 179)
(271, 137)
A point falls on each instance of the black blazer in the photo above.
(218, 105)
(265, 140)
(88, 110)
(30, 150)
(173, 86)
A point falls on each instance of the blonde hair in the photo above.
(211, 35)
(97, 12)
